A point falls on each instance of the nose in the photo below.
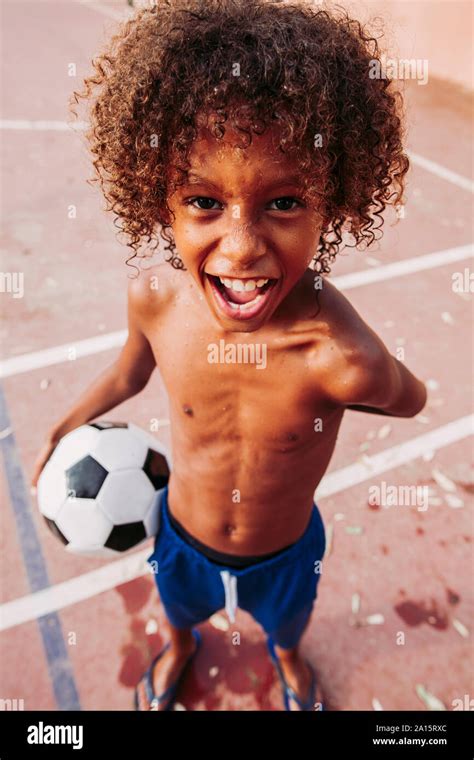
(243, 245)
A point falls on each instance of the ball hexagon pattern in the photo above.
(99, 492)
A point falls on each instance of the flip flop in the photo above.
(170, 693)
(287, 691)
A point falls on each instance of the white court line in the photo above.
(109, 576)
(43, 126)
(405, 266)
(106, 11)
(405, 452)
(62, 126)
(456, 179)
(58, 354)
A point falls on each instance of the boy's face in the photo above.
(242, 228)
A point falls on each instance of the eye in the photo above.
(283, 203)
(207, 203)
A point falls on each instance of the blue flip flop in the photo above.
(287, 691)
(171, 692)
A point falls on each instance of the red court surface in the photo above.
(86, 643)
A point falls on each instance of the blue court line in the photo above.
(59, 664)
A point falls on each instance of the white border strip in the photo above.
(441, 171)
(405, 266)
(90, 584)
(53, 125)
(58, 354)
(389, 459)
(117, 15)
(73, 591)
(43, 126)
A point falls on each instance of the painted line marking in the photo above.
(398, 455)
(56, 125)
(43, 126)
(440, 171)
(59, 354)
(406, 266)
(117, 15)
(109, 576)
(57, 657)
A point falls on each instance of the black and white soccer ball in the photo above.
(100, 490)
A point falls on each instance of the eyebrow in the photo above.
(196, 179)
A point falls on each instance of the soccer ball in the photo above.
(99, 492)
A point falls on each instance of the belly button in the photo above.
(187, 410)
(291, 437)
(229, 529)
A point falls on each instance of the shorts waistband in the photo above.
(311, 542)
(219, 558)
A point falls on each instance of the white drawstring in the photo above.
(230, 588)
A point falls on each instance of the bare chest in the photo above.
(242, 387)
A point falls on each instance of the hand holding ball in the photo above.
(99, 491)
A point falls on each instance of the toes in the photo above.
(142, 702)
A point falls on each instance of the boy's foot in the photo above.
(297, 679)
(298, 676)
(164, 676)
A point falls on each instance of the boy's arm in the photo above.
(378, 383)
(126, 377)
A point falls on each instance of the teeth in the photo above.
(240, 285)
(246, 306)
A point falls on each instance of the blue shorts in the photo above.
(278, 592)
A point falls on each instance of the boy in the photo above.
(252, 135)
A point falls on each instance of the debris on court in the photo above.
(384, 432)
(219, 621)
(354, 530)
(430, 700)
(460, 628)
(434, 499)
(443, 481)
(447, 318)
(329, 539)
(376, 619)
(253, 676)
(151, 627)
(455, 502)
(422, 419)
(355, 603)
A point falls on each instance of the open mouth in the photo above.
(241, 299)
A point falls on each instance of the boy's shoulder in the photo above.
(152, 288)
(348, 357)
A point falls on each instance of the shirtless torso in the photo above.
(250, 445)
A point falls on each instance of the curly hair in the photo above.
(252, 64)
